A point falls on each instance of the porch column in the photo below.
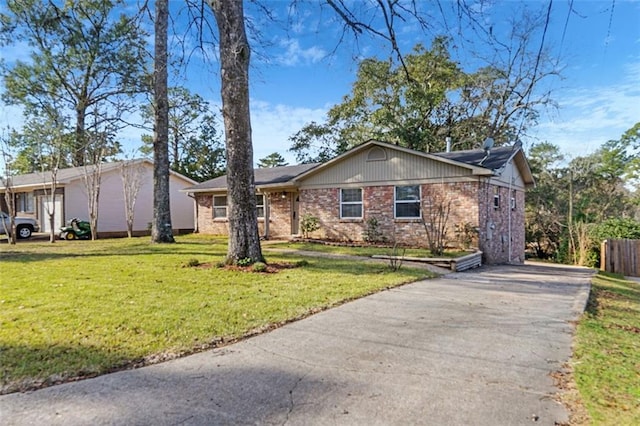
(267, 207)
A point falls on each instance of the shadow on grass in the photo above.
(22, 365)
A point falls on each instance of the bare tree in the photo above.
(48, 131)
(244, 240)
(435, 215)
(9, 194)
(161, 230)
(131, 174)
(92, 177)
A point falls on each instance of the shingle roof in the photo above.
(63, 176)
(496, 160)
(262, 176)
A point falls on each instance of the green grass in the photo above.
(81, 308)
(360, 251)
(607, 352)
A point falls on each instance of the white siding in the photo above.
(111, 212)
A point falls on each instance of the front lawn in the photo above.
(82, 308)
(606, 357)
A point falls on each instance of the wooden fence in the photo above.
(621, 257)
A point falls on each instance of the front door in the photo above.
(295, 213)
(47, 207)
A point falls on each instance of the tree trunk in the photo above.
(244, 241)
(79, 146)
(161, 231)
(10, 201)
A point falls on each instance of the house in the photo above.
(404, 190)
(33, 198)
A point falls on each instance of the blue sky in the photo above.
(300, 69)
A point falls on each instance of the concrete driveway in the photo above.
(471, 348)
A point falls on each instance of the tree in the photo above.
(86, 63)
(272, 160)
(546, 203)
(131, 175)
(394, 103)
(244, 241)
(423, 97)
(49, 132)
(566, 210)
(161, 230)
(195, 148)
(7, 182)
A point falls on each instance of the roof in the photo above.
(264, 177)
(497, 159)
(280, 177)
(68, 175)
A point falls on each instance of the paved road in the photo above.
(472, 348)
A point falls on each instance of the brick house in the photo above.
(401, 188)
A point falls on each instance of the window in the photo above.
(219, 206)
(260, 205)
(496, 201)
(351, 203)
(407, 204)
(24, 202)
(513, 199)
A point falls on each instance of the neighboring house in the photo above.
(398, 187)
(33, 197)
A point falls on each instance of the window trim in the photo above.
(396, 202)
(352, 203)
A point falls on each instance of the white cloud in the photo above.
(273, 124)
(294, 54)
(589, 117)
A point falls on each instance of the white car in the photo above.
(25, 226)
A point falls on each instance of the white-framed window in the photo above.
(260, 205)
(407, 202)
(219, 206)
(24, 202)
(513, 199)
(351, 203)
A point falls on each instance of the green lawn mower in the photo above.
(76, 229)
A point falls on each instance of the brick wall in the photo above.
(378, 202)
(279, 223)
(471, 204)
(502, 227)
(280, 215)
(206, 223)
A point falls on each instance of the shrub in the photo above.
(259, 267)
(191, 263)
(396, 257)
(372, 233)
(309, 224)
(245, 262)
